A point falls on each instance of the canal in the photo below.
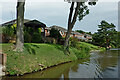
(99, 65)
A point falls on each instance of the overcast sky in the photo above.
(55, 12)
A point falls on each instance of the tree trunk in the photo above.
(71, 23)
(20, 24)
(66, 43)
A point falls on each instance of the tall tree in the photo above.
(80, 11)
(106, 34)
(20, 24)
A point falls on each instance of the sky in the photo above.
(55, 12)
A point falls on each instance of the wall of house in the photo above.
(89, 37)
(47, 32)
(63, 34)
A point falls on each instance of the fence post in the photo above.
(4, 59)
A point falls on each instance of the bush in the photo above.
(84, 48)
(49, 40)
(1, 29)
(73, 42)
(31, 35)
(36, 38)
(9, 31)
(8, 34)
(54, 33)
(80, 53)
(27, 37)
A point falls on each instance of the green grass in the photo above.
(33, 56)
(37, 57)
(91, 46)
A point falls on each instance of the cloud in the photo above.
(33, 0)
(102, 11)
(0, 14)
(108, 0)
(53, 0)
(56, 13)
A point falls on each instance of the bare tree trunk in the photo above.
(66, 43)
(20, 24)
(71, 23)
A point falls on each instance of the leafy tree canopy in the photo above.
(55, 33)
(106, 35)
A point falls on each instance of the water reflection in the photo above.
(99, 65)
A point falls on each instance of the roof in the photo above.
(27, 22)
(13, 22)
(59, 28)
(77, 33)
(82, 38)
(48, 28)
(88, 35)
(34, 23)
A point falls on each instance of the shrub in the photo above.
(36, 38)
(80, 53)
(8, 34)
(27, 37)
(73, 42)
(49, 40)
(55, 34)
(8, 30)
(31, 35)
(1, 29)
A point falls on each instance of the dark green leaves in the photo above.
(92, 3)
(83, 11)
(106, 34)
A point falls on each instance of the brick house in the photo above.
(63, 32)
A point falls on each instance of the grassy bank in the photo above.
(91, 46)
(37, 57)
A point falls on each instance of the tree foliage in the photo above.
(106, 35)
(80, 31)
(80, 11)
(8, 30)
(55, 34)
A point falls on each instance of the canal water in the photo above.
(99, 65)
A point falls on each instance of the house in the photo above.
(13, 22)
(47, 31)
(28, 23)
(35, 24)
(63, 32)
(60, 29)
(76, 34)
(88, 36)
